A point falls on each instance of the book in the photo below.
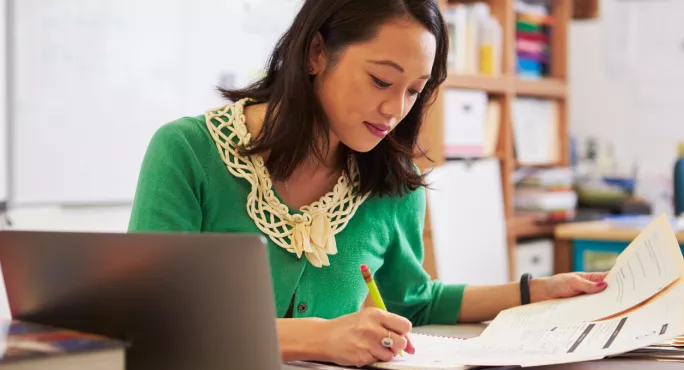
(29, 346)
(475, 39)
(546, 194)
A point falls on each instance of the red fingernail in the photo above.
(600, 284)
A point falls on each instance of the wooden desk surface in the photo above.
(472, 330)
(598, 230)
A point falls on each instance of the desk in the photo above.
(469, 331)
(592, 246)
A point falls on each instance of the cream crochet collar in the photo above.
(310, 232)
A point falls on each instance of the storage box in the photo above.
(535, 257)
(464, 123)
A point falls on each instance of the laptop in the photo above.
(180, 301)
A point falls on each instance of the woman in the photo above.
(318, 157)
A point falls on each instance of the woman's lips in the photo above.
(378, 129)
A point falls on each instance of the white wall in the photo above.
(147, 63)
(84, 219)
(627, 88)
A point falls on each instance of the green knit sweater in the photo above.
(184, 186)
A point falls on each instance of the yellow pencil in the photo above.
(374, 292)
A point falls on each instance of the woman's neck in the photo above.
(333, 155)
(314, 177)
(332, 160)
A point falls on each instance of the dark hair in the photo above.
(300, 125)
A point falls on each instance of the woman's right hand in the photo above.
(356, 339)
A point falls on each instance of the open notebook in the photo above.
(432, 352)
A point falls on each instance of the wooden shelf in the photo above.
(585, 9)
(493, 85)
(520, 226)
(503, 90)
(538, 165)
(545, 87)
(600, 230)
(497, 156)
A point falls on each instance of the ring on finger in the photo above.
(387, 341)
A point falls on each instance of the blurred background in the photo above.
(556, 138)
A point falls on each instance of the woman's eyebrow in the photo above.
(394, 65)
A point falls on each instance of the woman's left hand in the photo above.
(566, 285)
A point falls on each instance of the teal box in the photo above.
(597, 255)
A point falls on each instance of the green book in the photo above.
(527, 26)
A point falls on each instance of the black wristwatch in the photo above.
(525, 288)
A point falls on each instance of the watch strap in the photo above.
(525, 288)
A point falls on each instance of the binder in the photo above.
(465, 201)
(465, 121)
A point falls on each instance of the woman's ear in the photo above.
(317, 60)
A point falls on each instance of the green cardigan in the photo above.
(184, 186)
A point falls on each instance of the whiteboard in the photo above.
(96, 78)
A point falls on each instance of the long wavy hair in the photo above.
(296, 132)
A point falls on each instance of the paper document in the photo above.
(432, 352)
(580, 341)
(651, 263)
(316, 366)
(642, 305)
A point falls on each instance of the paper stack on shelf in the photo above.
(532, 44)
(475, 40)
(547, 193)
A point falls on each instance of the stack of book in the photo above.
(547, 194)
(532, 43)
(28, 346)
(475, 38)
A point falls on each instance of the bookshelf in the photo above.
(505, 88)
(585, 9)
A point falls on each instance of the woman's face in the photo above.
(372, 86)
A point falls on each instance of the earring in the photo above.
(310, 69)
